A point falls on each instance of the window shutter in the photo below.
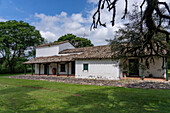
(85, 67)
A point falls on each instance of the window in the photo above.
(85, 67)
(62, 68)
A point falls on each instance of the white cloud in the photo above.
(48, 35)
(77, 18)
(93, 1)
(2, 20)
(52, 27)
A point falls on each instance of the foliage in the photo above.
(128, 41)
(153, 27)
(75, 41)
(20, 96)
(15, 39)
(18, 67)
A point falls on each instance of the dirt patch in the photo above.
(76, 95)
(118, 83)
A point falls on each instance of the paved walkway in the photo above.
(128, 83)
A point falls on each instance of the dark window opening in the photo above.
(85, 67)
(62, 68)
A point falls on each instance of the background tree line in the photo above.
(17, 38)
(77, 42)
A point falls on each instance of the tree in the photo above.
(75, 41)
(128, 41)
(15, 39)
(147, 19)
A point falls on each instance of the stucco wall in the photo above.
(98, 69)
(51, 66)
(155, 69)
(52, 50)
(47, 51)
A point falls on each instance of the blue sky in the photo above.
(55, 18)
(23, 9)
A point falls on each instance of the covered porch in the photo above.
(145, 78)
(43, 75)
(64, 69)
(138, 71)
(63, 65)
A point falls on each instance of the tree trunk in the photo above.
(12, 71)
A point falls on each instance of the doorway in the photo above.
(45, 69)
(133, 67)
(73, 67)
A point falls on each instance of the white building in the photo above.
(89, 62)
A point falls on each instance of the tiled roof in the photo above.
(51, 59)
(84, 49)
(96, 52)
(50, 44)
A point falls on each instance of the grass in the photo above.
(12, 74)
(29, 96)
(169, 72)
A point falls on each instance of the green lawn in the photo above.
(29, 96)
(12, 74)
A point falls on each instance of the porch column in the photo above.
(25, 69)
(32, 68)
(39, 69)
(68, 69)
(57, 70)
(47, 69)
(142, 67)
(166, 64)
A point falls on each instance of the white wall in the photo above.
(155, 69)
(52, 50)
(98, 69)
(51, 66)
(47, 51)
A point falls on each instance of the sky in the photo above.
(55, 18)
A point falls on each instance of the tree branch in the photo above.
(126, 2)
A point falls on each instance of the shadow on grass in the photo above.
(16, 99)
(111, 100)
